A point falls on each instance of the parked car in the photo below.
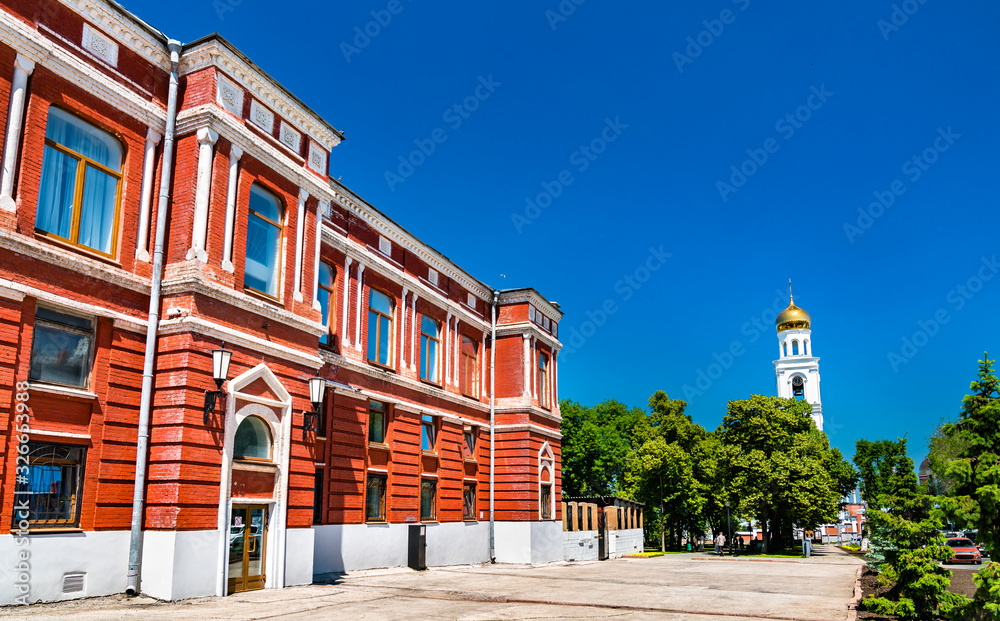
(963, 550)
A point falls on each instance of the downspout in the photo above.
(142, 445)
(493, 359)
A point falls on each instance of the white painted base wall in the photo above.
(299, 546)
(348, 547)
(583, 545)
(580, 545)
(178, 564)
(529, 542)
(102, 556)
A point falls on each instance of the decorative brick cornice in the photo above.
(16, 34)
(72, 261)
(185, 282)
(214, 52)
(18, 291)
(232, 336)
(392, 378)
(522, 327)
(542, 431)
(208, 115)
(126, 29)
(530, 296)
(515, 405)
(367, 212)
(360, 253)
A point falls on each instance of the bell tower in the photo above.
(797, 369)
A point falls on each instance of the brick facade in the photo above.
(117, 81)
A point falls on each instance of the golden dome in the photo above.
(792, 318)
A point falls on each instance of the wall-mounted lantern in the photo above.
(220, 372)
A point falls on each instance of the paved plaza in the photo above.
(675, 587)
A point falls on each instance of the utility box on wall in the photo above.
(417, 557)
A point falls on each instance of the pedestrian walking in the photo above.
(722, 544)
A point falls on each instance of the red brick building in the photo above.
(159, 202)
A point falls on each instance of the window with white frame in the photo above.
(469, 373)
(253, 440)
(325, 295)
(79, 196)
(61, 348)
(430, 345)
(380, 310)
(543, 380)
(264, 226)
(428, 433)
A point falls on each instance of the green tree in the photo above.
(975, 474)
(942, 449)
(902, 515)
(664, 469)
(778, 468)
(595, 446)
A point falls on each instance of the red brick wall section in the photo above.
(510, 366)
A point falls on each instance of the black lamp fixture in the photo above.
(220, 371)
(317, 388)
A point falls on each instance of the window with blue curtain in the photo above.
(430, 339)
(261, 272)
(81, 178)
(380, 307)
(325, 296)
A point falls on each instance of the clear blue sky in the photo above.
(681, 115)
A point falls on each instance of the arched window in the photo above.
(805, 347)
(798, 387)
(380, 308)
(81, 179)
(325, 296)
(784, 349)
(546, 481)
(264, 224)
(795, 348)
(543, 380)
(253, 439)
(430, 345)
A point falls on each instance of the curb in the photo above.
(852, 607)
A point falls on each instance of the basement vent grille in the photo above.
(74, 583)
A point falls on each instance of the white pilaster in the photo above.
(413, 334)
(456, 346)
(146, 198)
(206, 141)
(23, 67)
(321, 208)
(345, 337)
(235, 153)
(300, 227)
(402, 329)
(526, 392)
(553, 372)
(447, 352)
(357, 315)
(482, 369)
(534, 369)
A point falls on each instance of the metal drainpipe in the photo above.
(493, 358)
(135, 541)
